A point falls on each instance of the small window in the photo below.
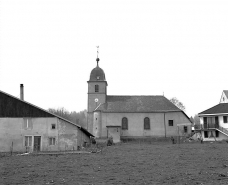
(98, 77)
(51, 140)
(96, 88)
(27, 123)
(224, 119)
(185, 129)
(124, 124)
(146, 123)
(170, 123)
(28, 140)
(205, 134)
(53, 126)
(216, 133)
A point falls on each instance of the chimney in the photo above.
(22, 92)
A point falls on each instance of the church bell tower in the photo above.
(97, 91)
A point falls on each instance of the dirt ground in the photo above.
(130, 163)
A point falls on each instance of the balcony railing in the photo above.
(207, 126)
(224, 130)
(211, 126)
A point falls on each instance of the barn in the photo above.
(25, 127)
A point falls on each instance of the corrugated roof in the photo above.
(137, 104)
(217, 109)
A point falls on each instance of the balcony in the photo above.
(206, 126)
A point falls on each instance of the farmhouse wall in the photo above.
(13, 131)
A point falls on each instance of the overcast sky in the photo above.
(179, 48)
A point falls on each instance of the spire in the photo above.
(97, 56)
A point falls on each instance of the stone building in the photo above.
(131, 116)
(26, 128)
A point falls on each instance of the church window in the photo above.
(96, 88)
(124, 124)
(170, 123)
(146, 123)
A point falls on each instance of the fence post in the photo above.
(11, 151)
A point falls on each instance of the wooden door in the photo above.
(37, 143)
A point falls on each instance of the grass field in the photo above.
(131, 163)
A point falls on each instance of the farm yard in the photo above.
(125, 163)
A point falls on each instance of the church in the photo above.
(122, 117)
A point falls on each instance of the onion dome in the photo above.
(97, 74)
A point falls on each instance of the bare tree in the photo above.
(196, 119)
(75, 117)
(176, 102)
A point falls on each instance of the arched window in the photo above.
(124, 124)
(146, 123)
(96, 88)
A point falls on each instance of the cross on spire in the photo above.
(97, 55)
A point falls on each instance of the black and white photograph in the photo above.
(110, 92)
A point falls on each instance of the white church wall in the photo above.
(136, 123)
(178, 118)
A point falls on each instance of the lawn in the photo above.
(126, 163)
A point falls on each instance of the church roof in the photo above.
(217, 109)
(137, 104)
(97, 74)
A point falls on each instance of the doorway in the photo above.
(114, 132)
(37, 143)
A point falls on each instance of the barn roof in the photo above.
(11, 106)
(221, 108)
(137, 104)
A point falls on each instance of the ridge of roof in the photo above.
(80, 127)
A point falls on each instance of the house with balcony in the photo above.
(214, 123)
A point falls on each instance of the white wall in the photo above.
(67, 135)
(136, 124)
